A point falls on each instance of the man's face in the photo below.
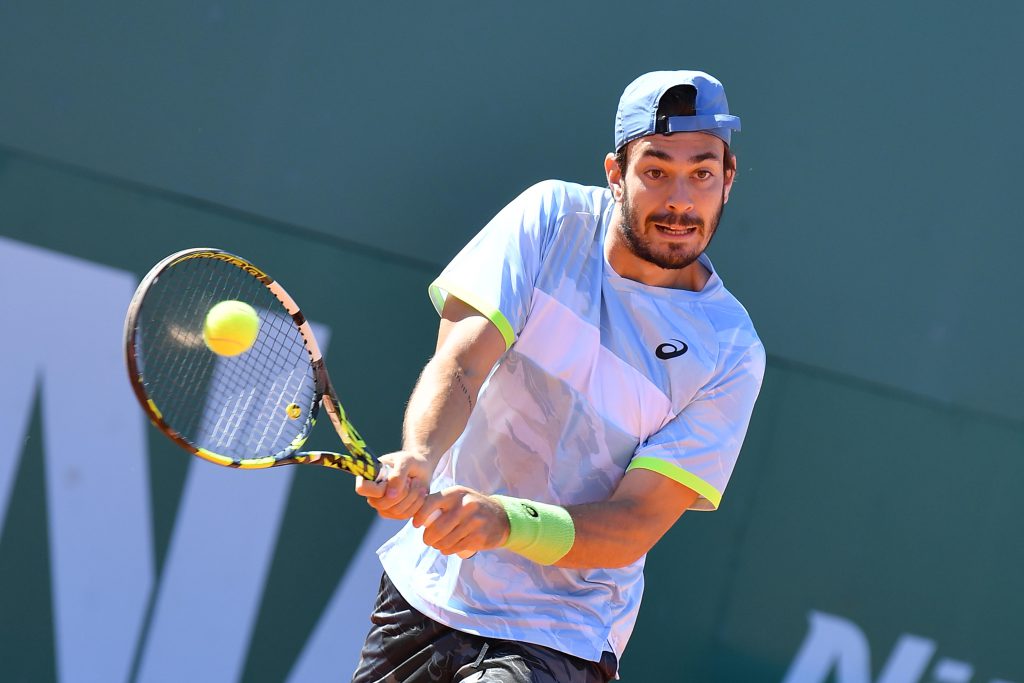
(672, 196)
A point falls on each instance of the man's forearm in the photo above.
(439, 407)
(621, 530)
(609, 534)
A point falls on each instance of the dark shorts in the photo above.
(403, 645)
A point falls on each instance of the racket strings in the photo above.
(197, 369)
(170, 348)
(288, 363)
(244, 406)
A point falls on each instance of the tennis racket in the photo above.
(252, 410)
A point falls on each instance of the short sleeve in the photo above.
(700, 446)
(496, 272)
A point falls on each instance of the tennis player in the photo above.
(593, 379)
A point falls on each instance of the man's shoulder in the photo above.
(728, 317)
(563, 197)
(733, 325)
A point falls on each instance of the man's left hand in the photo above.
(460, 520)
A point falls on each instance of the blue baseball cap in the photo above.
(638, 107)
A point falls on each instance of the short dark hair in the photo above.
(680, 100)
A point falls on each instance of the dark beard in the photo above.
(677, 258)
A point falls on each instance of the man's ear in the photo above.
(730, 177)
(614, 175)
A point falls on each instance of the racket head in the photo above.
(253, 410)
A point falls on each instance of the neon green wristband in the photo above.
(537, 531)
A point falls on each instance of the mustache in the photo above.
(682, 220)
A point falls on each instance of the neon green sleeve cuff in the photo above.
(538, 531)
(439, 291)
(676, 473)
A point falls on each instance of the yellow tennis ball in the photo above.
(231, 328)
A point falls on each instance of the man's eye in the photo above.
(703, 174)
(655, 173)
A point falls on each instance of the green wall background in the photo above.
(873, 235)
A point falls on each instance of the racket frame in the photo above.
(359, 460)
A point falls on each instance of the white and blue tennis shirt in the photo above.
(602, 375)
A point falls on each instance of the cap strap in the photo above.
(688, 124)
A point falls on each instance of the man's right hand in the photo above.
(401, 492)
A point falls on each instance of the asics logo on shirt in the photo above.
(666, 351)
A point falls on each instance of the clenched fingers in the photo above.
(460, 520)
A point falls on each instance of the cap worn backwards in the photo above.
(638, 107)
